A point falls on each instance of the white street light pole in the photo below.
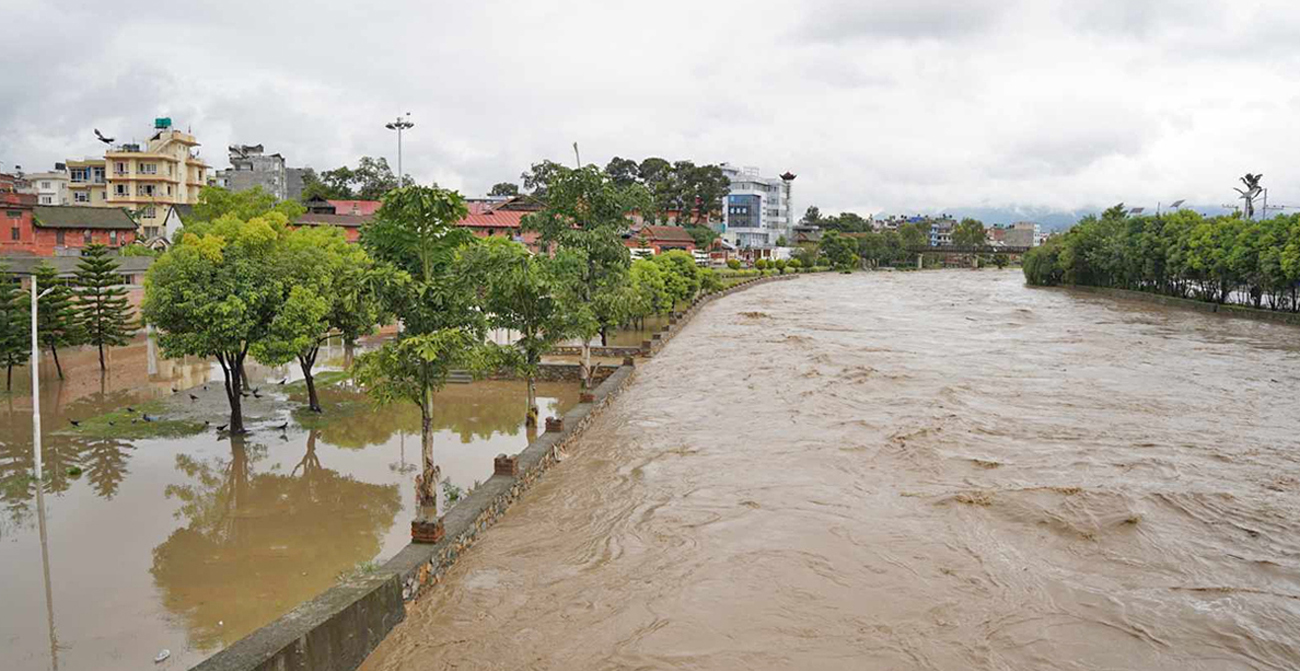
(36, 383)
(400, 125)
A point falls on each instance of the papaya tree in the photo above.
(443, 325)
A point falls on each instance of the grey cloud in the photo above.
(847, 20)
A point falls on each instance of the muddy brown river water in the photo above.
(939, 470)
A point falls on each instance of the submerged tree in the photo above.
(15, 327)
(443, 328)
(105, 315)
(57, 324)
(219, 292)
(525, 293)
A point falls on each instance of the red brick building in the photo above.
(661, 239)
(59, 230)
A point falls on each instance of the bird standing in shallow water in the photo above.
(74, 422)
(193, 398)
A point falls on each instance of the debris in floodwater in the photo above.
(162, 656)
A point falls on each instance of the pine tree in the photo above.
(15, 326)
(57, 322)
(105, 314)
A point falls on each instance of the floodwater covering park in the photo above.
(923, 470)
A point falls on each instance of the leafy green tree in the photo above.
(216, 202)
(584, 217)
(333, 292)
(444, 326)
(650, 290)
(504, 189)
(537, 179)
(15, 326)
(624, 171)
(523, 294)
(57, 321)
(914, 235)
(218, 293)
(840, 250)
(1000, 260)
(703, 235)
(969, 233)
(681, 275)
(812, 216)
(104, 313)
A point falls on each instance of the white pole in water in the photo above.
(36, 388)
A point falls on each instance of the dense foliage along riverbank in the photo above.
(1215, 259)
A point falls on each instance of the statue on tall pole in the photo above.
(1250, 193)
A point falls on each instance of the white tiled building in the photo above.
(758, 211)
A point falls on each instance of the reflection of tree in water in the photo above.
(104, 461)
(257, 544)
(477, 411)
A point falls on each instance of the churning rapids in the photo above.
(938, 470)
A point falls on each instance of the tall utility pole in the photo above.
(400, 125)
(40, 475)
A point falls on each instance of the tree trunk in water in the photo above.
(426, 483)
(230, 371)
(604, 336)
(530, 418)
(584, 368)
(348, 353)
(9, 378)
(102, 366)
(307, 363)
(54, 351)
(243, 374)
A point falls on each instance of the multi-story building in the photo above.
(1021, 234)
(941, 231)
(251, 166)
(87, 182)
(145, 178)
(50, 188)
(758, 211)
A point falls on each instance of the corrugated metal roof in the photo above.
(67, 265)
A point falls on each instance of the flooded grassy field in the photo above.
(186, 540)
(939, 470)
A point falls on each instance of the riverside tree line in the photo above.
(1221, 259)
(241, 282)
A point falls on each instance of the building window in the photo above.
(112, 237)
(103, 195)
(169, 189)
(149, 212)
(98, 175)
(45, 185)
(148, 168)
(147, 190)
(121, 189)
(14, 214)
(47, 200)
(81, 197)
(58, 237)
(78, 175)
(15, 234)
(85, 236)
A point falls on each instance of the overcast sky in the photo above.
(878, 106)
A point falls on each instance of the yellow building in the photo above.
(144, 178)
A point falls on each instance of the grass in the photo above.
(131, 426)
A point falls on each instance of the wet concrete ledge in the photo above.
(1241, 311)
(336, 630)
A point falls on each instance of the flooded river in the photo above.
(188, 542)
(939, 470)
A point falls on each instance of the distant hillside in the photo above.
(1050, 219)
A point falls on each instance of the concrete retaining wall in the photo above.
(338, 629)
(1291, 318)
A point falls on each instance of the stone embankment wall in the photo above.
(337, 630)
(1291, 318)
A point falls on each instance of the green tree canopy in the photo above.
(58, 322)
(15, 326)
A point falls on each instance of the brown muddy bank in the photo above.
(925, 471)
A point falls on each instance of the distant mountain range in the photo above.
(1050, 219)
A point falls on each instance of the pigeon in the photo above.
(130, 409)
(283, 427)
(222, 427)
(146, 417)
(205, 387)
(111, 423)
(193, 398)
(134, 421)
(75, 422)
(256, 395)
(254, 389)
(175, 390)
(206, 424)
